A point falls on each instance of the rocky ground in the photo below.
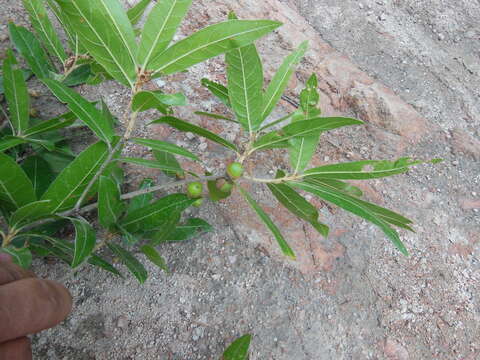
(351, 296)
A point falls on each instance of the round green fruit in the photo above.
(235, 170)
(195, 189)
(198, 202)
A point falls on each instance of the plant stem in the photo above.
(274, 181)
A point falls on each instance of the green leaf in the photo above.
(83, 109)
(214, 116)
(220, 91)
(16, 93)
(73, 42)
(280, 80)
(339, 185)
(109, 204)
(72, 181)
(152, 254)
(10, 142)
(39, 172)
(238, 350)
(58, 159)
(152, 164)
(387, 215)
(148, 217)
(136, 12)
(169, 161)
(298, 206)
(135, 266)
(245, 85)
(303, 148)
(106, 32)
(355, 206)
(29, 213)
(165, 228)
(145, 100)
(16, 189)
(22, 257)
(78, 76)
(210, 42)
(44, 28)
(360, 170)
(27, 74)
(269, 223)
(215, 193)
(141, 200)
(29, 47)
(159, 29)
(193, 227)
(57, 123)
(84, 241)
(302, 128)
(165, 146)
(98, 261)
(188, 127)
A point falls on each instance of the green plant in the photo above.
(44, 185)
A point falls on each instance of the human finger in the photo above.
(11, 272)
(17, 349)
(30, 305)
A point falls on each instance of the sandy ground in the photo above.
(359, 299)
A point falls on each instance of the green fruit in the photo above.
(198, 202)
(226, 187)
(235, 170)
(195, 189)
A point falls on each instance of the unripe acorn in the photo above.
(198, 202)
(195, 189)
(235, 170)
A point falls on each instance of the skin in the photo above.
(27, 305)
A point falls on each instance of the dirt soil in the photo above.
(351, 296)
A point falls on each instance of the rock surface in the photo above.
(350, 295)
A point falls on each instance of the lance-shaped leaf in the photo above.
(84, 241)
(188, 127)
(280, 80)
(210, 42)
(165, 228)
(298, 206)
(215, 116)
(220, 91)
(20, 256)
(169, 161)
(339, 185)
(387, 215)
(149, 216)
(72, 181)
(302, 128)
(106, 32)
(152, 164)
(192, 227)
(135, 266)
(303, 148)
(39, 172)
(109, 204)
(160, 27)
(375, 214)
(16, 189)
(145, 100)
(16, 93)
(79, 75)
(29, 47)
(44, 28)
(29, 213)
(152, 254)
(73, 41)
(141, 200)
(245, 85)
(286, 250)
(83, 109)
(238, 350)
(365, 169)
(9, 142)
(165, 146)
(27, 74)
(57, 123)
(214, 192)
(136, 12)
